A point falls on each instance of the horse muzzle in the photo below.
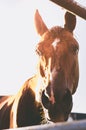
(61, 108)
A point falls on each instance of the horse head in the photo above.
(58, 66)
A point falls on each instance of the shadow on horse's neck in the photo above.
(35, 84)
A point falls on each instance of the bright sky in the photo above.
(18, 40)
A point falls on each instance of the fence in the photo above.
(72, 6)
(73, 125)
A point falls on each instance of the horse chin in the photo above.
(58, 120)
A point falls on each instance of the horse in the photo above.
(47, 96)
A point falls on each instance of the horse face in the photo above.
(58, 66)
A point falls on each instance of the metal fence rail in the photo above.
(73, 125)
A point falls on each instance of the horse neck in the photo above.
(36, 84)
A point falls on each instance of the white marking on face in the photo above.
(52, 74)
(56, 41)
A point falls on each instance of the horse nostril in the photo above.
(45, 99)
(67, 102)
(67, 99)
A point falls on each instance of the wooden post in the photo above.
(72, 6)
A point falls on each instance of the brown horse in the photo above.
(47, 95)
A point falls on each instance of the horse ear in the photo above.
(70, 21)
(39, 24)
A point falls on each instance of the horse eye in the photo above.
(38, 52)
(75, 49)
